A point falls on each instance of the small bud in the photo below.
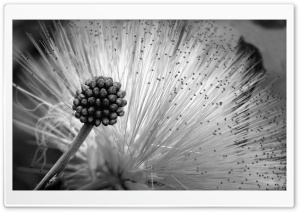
(79, 109)
(74, 107)
(96, 91)
(97, 122)
(89, 93)
(98, 114)
(118, 85)
(105, 102)
(112, 122)
(121, 94)
(112, 97)
(119, 102)
(105, 113)
(121, 113)
(84, 112)
(105, 121)
(91, 110)
(78, 92)
(84, 102)
(83, 119)
(90, 119)
(120, 109)
(113, 116)
(100, 83)
(91, 100)
(93, 84)
(113, 107)
(77, 115)
(112, 90)
(81, 97)
(124, 102)
(108, 82)
(76, 102)
(88, 82)
(103, 93)
(98, 102)
(95, 78)
(84, 87)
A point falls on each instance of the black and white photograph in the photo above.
(149, 105)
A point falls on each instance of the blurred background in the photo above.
(268, 36)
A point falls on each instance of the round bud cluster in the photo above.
(100, 100)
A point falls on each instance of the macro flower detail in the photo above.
(199, 114)
(99, 100)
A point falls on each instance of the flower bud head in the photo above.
(100, 100)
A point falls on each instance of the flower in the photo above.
(198, 115)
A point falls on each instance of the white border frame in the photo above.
(147, 198)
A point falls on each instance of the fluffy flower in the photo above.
(197, 117)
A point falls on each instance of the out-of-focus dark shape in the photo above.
(271, 43)
(256, 55)
(24, 147)
(271, 24)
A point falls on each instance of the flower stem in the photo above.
(67, 156)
